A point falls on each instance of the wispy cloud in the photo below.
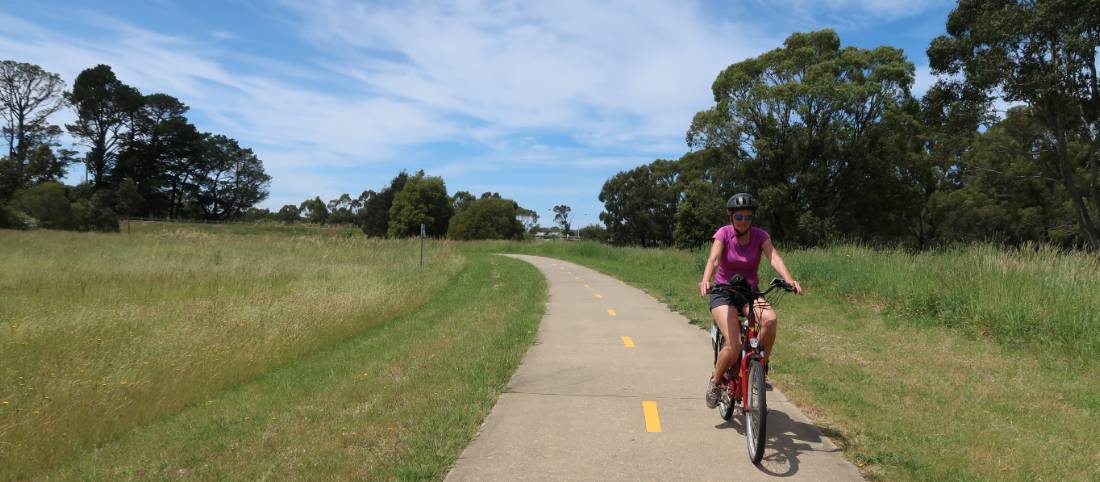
(270, 114)
(613, 72)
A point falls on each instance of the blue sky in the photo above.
(539, 101)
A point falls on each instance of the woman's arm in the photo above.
(777, 263)
(712, 261)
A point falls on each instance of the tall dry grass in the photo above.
(100, 333)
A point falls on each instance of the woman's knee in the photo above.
(768, 319)
(730, 348)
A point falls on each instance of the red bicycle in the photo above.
(744, 380)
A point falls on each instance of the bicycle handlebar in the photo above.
(776, 283)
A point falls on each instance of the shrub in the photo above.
(594, 232)
(11, 218)
(52, 206)
(489, 218)
(47, 204)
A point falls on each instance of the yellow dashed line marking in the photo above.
(652, 419)
(611, 312)
(627, 342)
(599, 296)
(586, 285)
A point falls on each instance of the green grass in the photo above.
(103, 333)
(1033, 298)
(918, 386)
(398, 401)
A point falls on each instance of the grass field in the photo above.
(918, 365)
(104, 337)
(398, 401)
(246, 352)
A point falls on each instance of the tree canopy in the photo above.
(835, 147)
(1042, 54)
(423, 200)
(808, 125)
(143, 156)
(561, 217)
(487, 218)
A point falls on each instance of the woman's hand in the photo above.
(704, 287)
(797, 287)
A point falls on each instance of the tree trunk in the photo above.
(1088, 227)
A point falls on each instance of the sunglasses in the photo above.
(742, 217)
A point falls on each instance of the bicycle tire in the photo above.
(756, 413)
(725, 404)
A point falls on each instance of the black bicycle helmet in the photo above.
(742, 200)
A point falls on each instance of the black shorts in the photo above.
(721, 296)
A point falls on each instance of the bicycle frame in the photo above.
(738, 391)
(737, 388)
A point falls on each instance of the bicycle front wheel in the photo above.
(756, 412)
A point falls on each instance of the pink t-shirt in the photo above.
(737, 259)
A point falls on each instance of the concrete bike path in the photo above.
(613, 390)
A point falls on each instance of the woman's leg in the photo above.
(766, 316)
(726, 319)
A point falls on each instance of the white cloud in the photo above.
(618, 71)
(922, 80)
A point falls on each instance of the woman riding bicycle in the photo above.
(737, 250)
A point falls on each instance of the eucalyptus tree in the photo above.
(1008, 190)
(342, 210)
(812, 129)
(460, 200)
(700, 213)
(375, 214)
(289, 213)
(422, 200)
(640, 204)
(561, 217)
(1043, 54)
(314, 210)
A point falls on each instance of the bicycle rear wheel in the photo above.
(756, 412)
